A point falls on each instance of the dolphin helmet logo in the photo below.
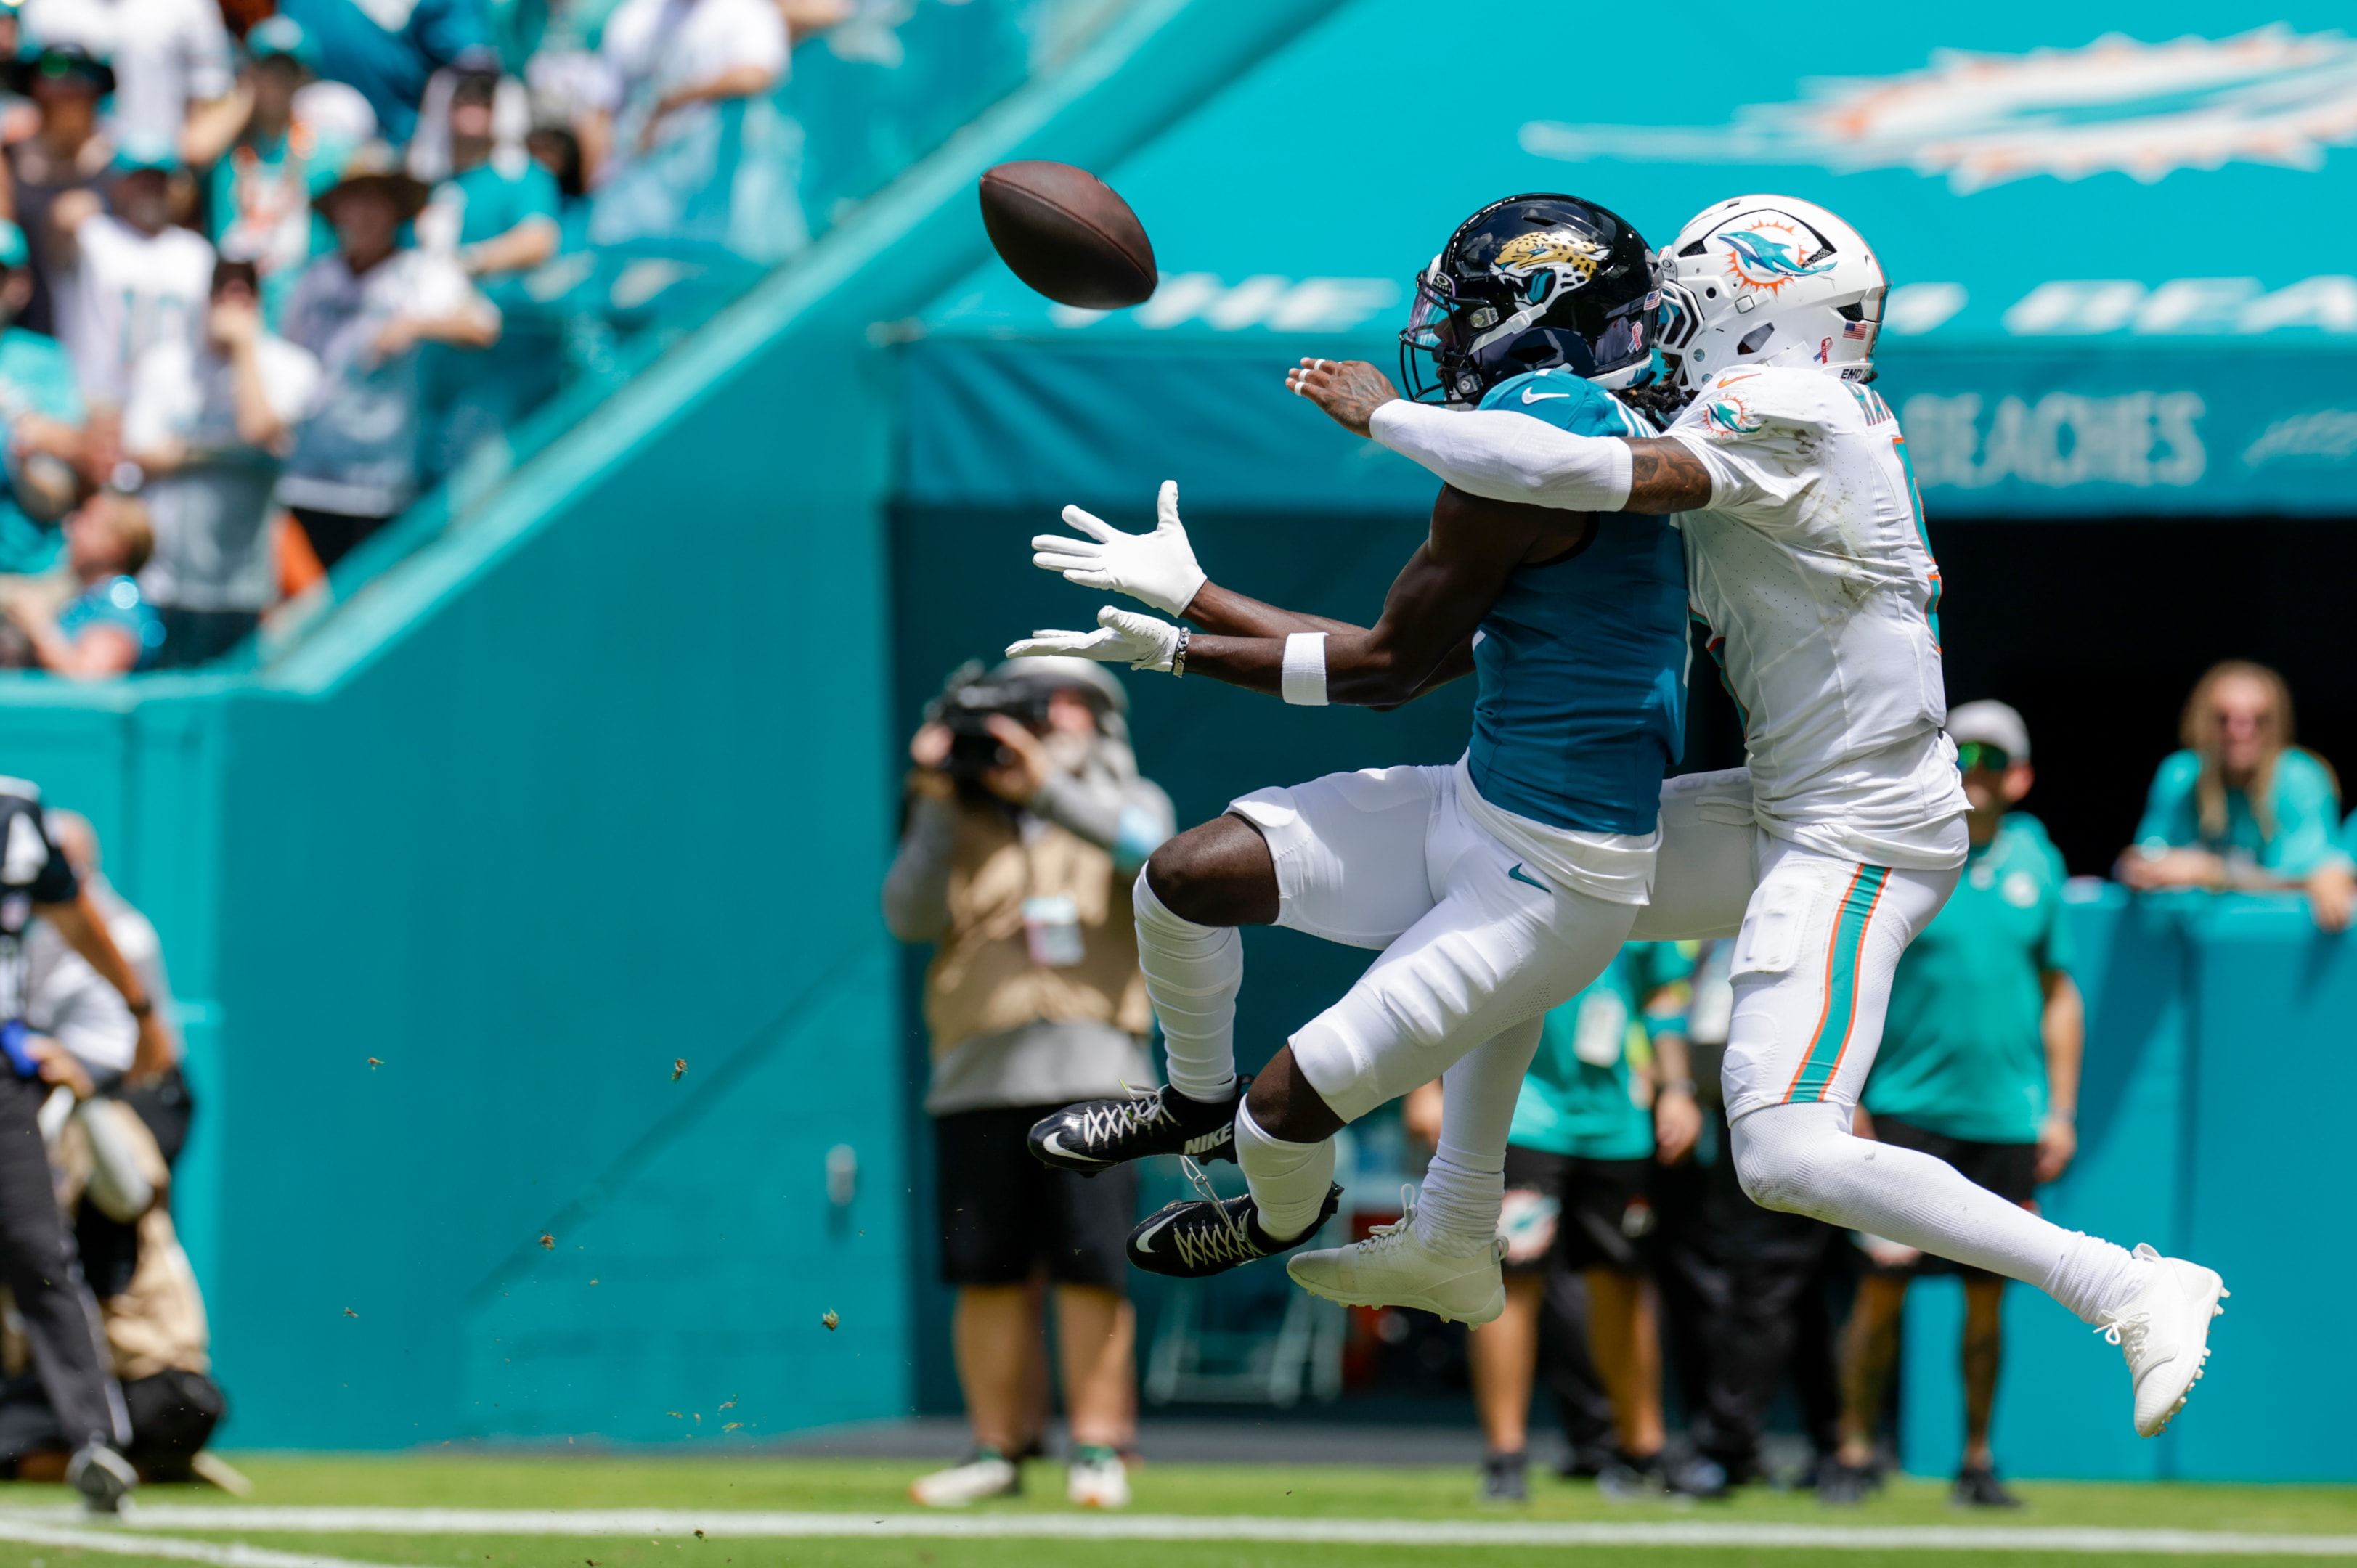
(1768, 255)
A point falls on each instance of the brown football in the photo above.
(1062, 230)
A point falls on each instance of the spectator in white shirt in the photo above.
(699, 149)
(171, 59)
(363, 310)
(136, 281)
(211, 427)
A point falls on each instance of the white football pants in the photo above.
(1817, 940)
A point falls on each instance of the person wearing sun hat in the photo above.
(263, 186)
(40, 423)
(1979, 1067)
(363, 309)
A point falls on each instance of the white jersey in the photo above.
(1811, 570)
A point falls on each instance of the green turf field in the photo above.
(1288, 1494)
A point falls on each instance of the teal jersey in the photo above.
(117, 601)
(260, 202)
(35, 377)
(1581, 662)
(1576, 1099)
(2304, 809)
(1964, 1046)
(492, 199)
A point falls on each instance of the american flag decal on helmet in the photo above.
(1858, 329)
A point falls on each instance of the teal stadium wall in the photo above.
(603, 780)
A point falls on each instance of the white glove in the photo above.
(1157, 567)
(1124, 638)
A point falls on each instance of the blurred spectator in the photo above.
(1586, 1131)
(699, 150)
(107, 627)
(493, 207)
(19, 116)
(41, 408)
(261, 185)
(68, 153)
(67, 1000)
(1743, 1288)
(171, 59)
(211, 427)
(1979, 1067)
(136, 281)
(2241, 806)
(1020, 843)
(363, 309)
(389, 64)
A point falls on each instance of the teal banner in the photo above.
(2122, 260)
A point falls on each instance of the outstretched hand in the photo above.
(1348, 389)
(1123, 636)
(1157, 567)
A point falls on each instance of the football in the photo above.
(1063, 231)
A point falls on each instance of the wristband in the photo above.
(1685, 1086)
(1304, 680)
(143, 1008)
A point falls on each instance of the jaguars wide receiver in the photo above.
(1494, 888)
(1806, 554)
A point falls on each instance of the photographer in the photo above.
(1024, 822)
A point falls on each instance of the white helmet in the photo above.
(1768, 280)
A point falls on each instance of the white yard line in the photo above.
(16, 1526)
(757, 1525)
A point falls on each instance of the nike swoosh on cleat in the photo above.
(1518, 875)
(1050, 1145)
(1144, 1240)
(1530, 396)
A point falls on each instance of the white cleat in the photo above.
(1394, 1267)
(1098, 1481)
(2164, 1331)
(986, 1476)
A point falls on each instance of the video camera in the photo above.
(965, 705)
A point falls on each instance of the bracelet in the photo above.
(1685, 1086)
(1179, 654)
(143, 1008)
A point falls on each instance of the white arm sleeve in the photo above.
(1508, 458)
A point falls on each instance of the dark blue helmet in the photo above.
(1528, 284)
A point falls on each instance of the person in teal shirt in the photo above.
(1979, 1066)
(495, 210)
(108, 628)
(1609, 1089)
(260, 191)
(2241, 807)
(41, 415)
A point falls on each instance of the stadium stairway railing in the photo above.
(525, 906)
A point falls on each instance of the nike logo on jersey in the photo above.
(1530, 396)
(1520, 876)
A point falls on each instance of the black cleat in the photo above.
(1978, 1487)
(1844, 1485)
(1210, 1235)
(1098, 1135)
(102, 1476)
(1505, 1478)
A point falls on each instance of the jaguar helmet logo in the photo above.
(1566, 258)
(1771, 252)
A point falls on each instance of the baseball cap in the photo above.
(144, 155)
(282, 38)
(1054, 669)
(1990, 723)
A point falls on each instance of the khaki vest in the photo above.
(983, 981)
